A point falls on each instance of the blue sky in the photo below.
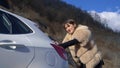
(97, 5)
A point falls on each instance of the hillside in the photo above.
(49, 13)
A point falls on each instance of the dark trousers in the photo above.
(99, 65)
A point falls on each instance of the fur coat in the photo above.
(86, 50)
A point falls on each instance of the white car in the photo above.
(23, 45)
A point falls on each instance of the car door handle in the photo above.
(8, 44)
(12, 45)
(6, 41)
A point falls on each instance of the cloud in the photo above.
(111, 19)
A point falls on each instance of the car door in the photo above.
(15, 50)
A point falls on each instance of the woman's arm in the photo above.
(69, 43)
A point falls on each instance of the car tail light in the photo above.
(60, 51)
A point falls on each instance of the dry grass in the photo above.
(109, 46)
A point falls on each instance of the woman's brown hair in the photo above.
(70, 21)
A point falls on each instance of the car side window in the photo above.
(4, 25)
(18, 27)
(12, 25)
